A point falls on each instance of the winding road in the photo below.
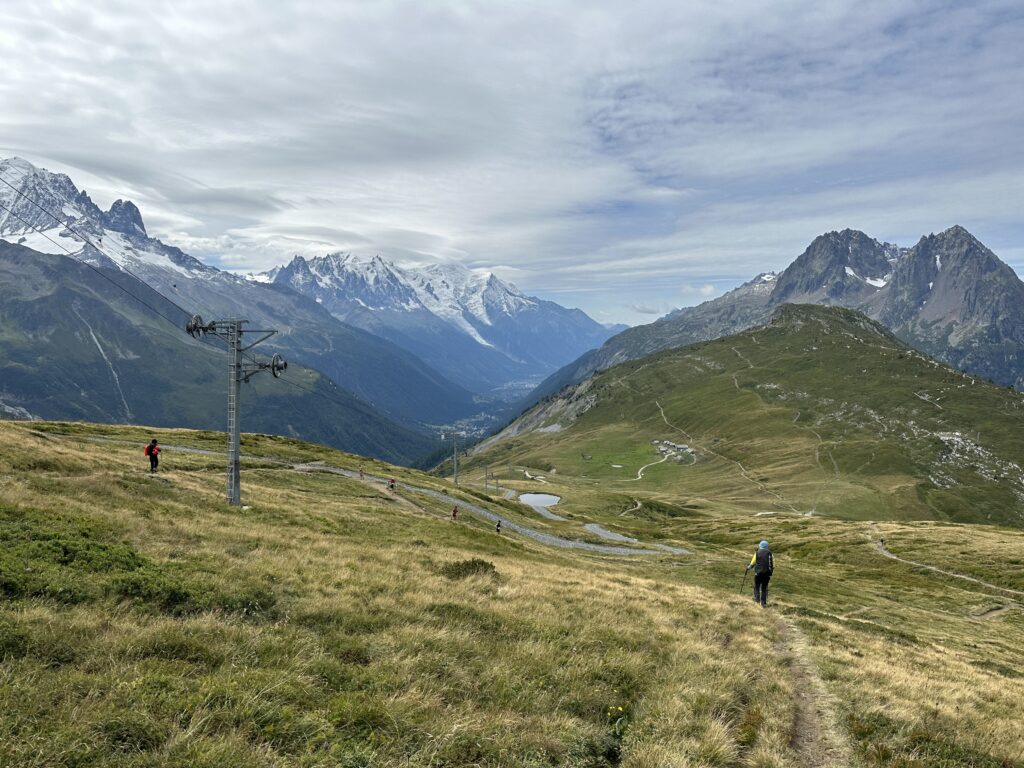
(539, 536)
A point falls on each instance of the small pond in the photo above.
(540, 502)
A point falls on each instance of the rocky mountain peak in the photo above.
(836, 268)
(32, 194)
(18, 164)
(124, 217)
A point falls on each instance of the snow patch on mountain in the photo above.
(877, 282)
(52, 241)
(129, 255)
(464, 298)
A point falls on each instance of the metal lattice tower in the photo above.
(238, 371)
(234, 339)
(455, 456)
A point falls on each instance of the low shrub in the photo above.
(463, 569)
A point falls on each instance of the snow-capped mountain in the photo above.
(381, 373)
(470, 324)
(31, 197)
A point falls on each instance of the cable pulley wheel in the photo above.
(277, 366)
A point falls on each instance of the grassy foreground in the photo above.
(143, 623)
(332, 623)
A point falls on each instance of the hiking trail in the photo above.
(539, 536)
(635, 508)
(743, 470)
(884, 550)
(817, 738)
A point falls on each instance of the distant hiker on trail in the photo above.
(391, 484)
(360, 473)
(763, 564)
(153, 450)
(455, 513)
(497, 527)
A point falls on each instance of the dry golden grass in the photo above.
(317, 628)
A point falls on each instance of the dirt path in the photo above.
(743, 470)
(635, 508)
(640, 472)
(466, 506)
(536, 478)
(816, 739)
(994, 612)
(880, 546)
(742, 357)
(543, 538)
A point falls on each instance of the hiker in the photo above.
(763, 564)
(152, 450)
(361, 476)
(455, 513)
(497, 527)
(391, 484)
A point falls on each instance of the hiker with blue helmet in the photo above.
(763, 564)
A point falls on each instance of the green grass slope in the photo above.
(331, 622)
(821, 412)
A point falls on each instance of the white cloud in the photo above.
(688, 290)
(605, 153)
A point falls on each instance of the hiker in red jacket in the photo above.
(153, 451)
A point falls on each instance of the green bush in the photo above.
(463, 569)
(131, 731)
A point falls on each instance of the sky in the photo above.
(624, 158)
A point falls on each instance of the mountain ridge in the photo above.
(379, 372)
(948, 295)
(478, 329)
(75, 347)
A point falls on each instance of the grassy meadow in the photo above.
(825, 435)
(822, 412)
(331, 623)
(144, 622)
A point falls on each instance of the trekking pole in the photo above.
(743, 585)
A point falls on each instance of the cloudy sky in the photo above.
(626, 158)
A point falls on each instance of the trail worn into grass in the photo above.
(543, 538)
(817, 739)
(635, 508)
(640, 472)
(743, 470)
(879, 544)
(993, 612)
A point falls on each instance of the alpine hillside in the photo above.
(821, 412)
(948, 296)
(472, 326)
